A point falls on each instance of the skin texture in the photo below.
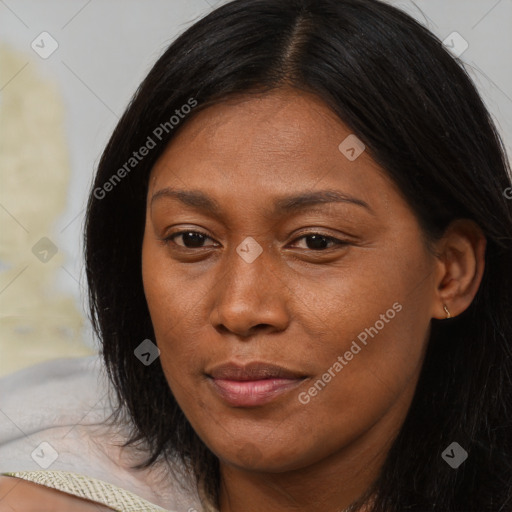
(294, 305)
(18, 495)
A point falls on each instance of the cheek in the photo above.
(360, 353)
(367, 331)
(376, 359)
(164, 303)
(174, 304)
(171, 297)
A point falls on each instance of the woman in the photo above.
(298, 249)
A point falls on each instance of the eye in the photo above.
(190, 239)
(319, 241)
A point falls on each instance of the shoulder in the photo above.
(24, 496)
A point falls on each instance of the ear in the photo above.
(460, 266)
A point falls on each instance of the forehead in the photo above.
(285, 140)
(284, 121)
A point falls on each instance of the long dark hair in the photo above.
(419, 115)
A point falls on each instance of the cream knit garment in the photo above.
(90, 488)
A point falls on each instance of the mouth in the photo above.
(253, 384)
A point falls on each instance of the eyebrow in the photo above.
(283, 205)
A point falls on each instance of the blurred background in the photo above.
(67, 72)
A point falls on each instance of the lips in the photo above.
(252, 384)
(252, 371)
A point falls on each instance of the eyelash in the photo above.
(338, 242)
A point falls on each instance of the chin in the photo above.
(251, 457)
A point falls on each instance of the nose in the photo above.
(250, 298)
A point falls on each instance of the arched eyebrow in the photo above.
(282, 205)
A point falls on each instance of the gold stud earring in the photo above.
(445, 307)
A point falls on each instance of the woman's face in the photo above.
(304, 256)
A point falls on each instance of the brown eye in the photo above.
(190, 239)
(319, 242)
